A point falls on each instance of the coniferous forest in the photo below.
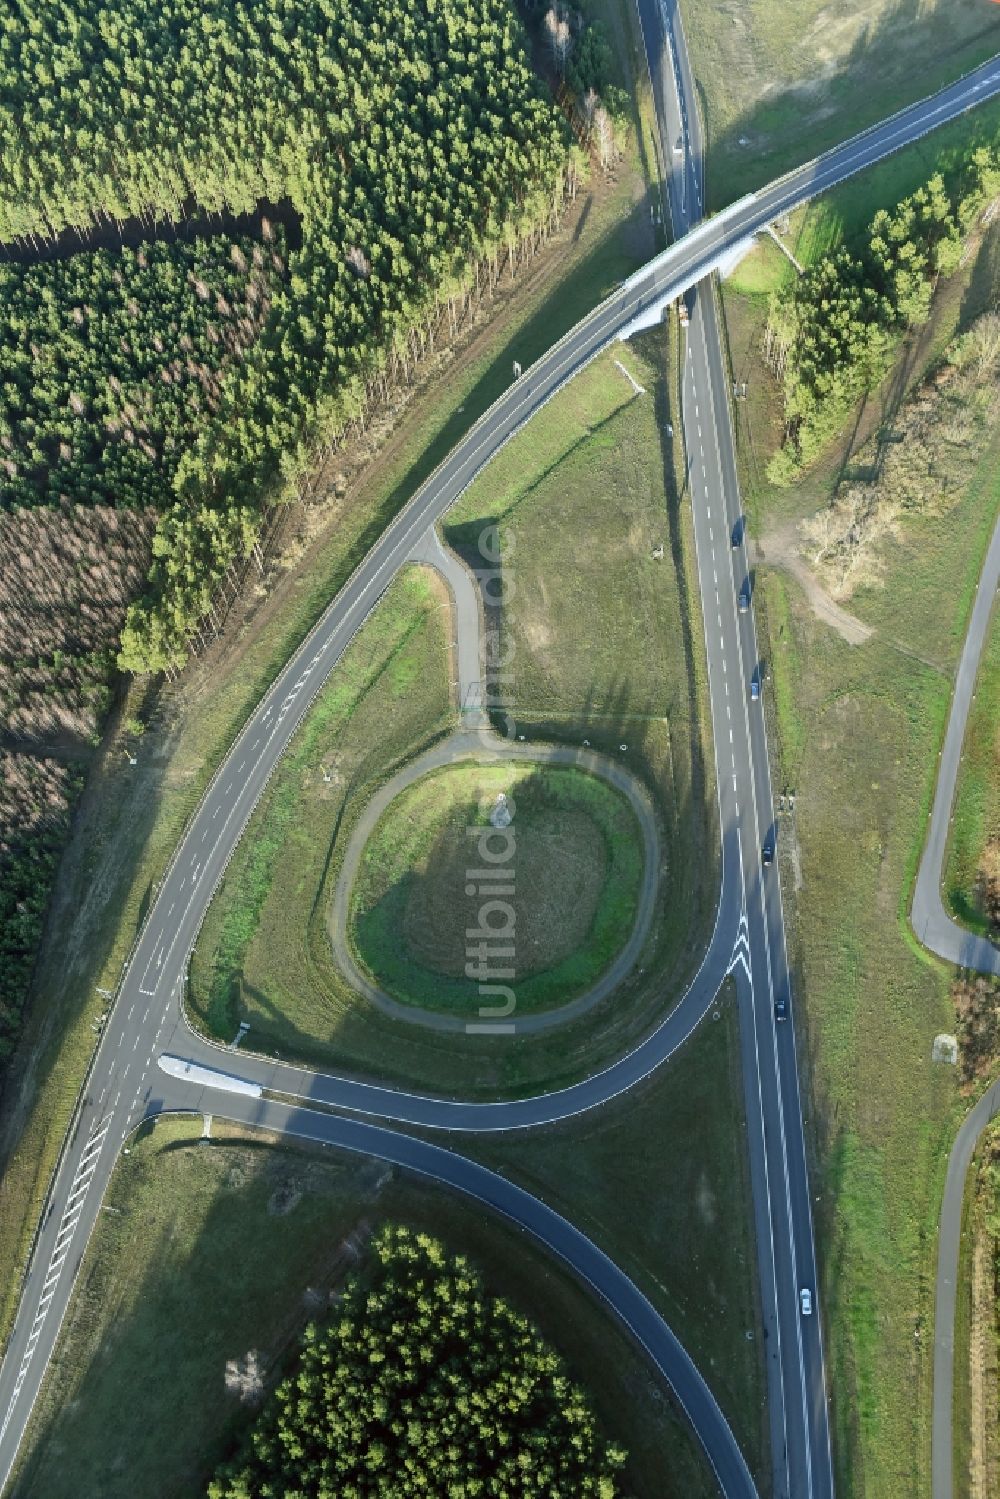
(414, 146)
(422, 1383)
(168, 374)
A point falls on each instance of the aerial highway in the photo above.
(801, 1460)
(127, 1081)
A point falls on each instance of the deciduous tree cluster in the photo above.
(424, 1384)
(831, 335)
(921, 464)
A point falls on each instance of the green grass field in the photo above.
(573, 877)
(842, 215)
(601, 646)
(976, 814)
(129, 821)
(976, 1429)
(208, 1251)
(857, 731)
(782, 80)
(388, 698)
(674, 1213)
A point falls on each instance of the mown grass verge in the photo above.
(600, 640)
(779, 83)
(674, 1213)
(857, 731)
(388, 699)
(211, 1250)
(571, 883)
(971, 882)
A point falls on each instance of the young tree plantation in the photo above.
(422, 1383)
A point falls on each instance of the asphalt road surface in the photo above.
(946, 1289)
(932, 924)
(950, 941)
(801, 1461)
(125, 1084)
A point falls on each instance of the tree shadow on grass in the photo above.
(146, 1410)
(794, 123)
(562, 897)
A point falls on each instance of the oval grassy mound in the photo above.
(563, 896)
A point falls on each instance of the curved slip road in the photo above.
(556, 1234)
(484, 748)
(929, 919)
(124, 1083)
(946, 1289)
(476, 740)
(942, 935)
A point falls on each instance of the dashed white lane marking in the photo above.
(130, 1011)
(708, 516)
(241, 765)
(731, 740)
(67, 1227)
(172, 904)
(215, 814)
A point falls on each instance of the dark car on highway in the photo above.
(781, 1007)
(767, 852)
(745, 596)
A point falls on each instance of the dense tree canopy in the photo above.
(35, 799)
(830, 335)
(423, 1384)
(411, 151)
(111, 362)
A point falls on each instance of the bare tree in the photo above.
(604, 136)
(560, 39)
(588, 105)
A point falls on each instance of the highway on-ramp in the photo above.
(125, 1082)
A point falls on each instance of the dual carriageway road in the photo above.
(126, 1084)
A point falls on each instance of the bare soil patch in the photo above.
(780, 547)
